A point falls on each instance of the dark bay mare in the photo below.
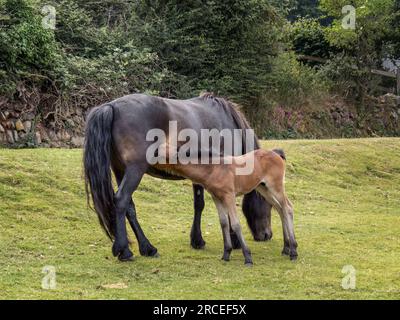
(116, 140)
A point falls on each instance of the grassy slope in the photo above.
(347, 200)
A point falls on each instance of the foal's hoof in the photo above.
(248, 264)
(226, 258)
(198, 244)
(286, 251)
(293, 257)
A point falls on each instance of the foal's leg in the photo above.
(196, 239)
(235, 240)
(285, 210)
(133, 175)
(292, 243)
(235, 225)
(268, 235)
(224, 220)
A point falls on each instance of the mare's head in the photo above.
(258, 215)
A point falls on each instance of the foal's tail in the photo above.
(281, 153)
(97, 161)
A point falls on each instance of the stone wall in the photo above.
(26, 129)
(21, 128)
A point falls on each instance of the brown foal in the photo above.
(224, 184)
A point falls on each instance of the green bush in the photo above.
(308, 38)
(292, 83)
(77, 58)
(221, 46)
(242, 49)
(120, 71)
(25, 46)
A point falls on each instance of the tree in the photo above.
(363, 46)
(223, 46)
(393, 37)
(25, 46)
(304, 9)
(308, 38)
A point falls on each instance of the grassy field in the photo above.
(347, 212)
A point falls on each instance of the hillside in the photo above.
(347, 212)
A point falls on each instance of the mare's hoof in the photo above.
(248, 264)
(198, 244)
(120, 248)
(125, 259)
(148, 251)
(286, 251)
(126, 256)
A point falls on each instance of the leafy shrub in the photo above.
(221, 46)
(291, 83)
(25, 46)
(308, 38)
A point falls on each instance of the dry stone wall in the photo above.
(20, 129)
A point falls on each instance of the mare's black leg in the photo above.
(145, 247)
(133, 175)
(196, 239)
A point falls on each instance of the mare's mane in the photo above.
(232, 109)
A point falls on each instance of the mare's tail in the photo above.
(97, 162)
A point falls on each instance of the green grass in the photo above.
(347, 212)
